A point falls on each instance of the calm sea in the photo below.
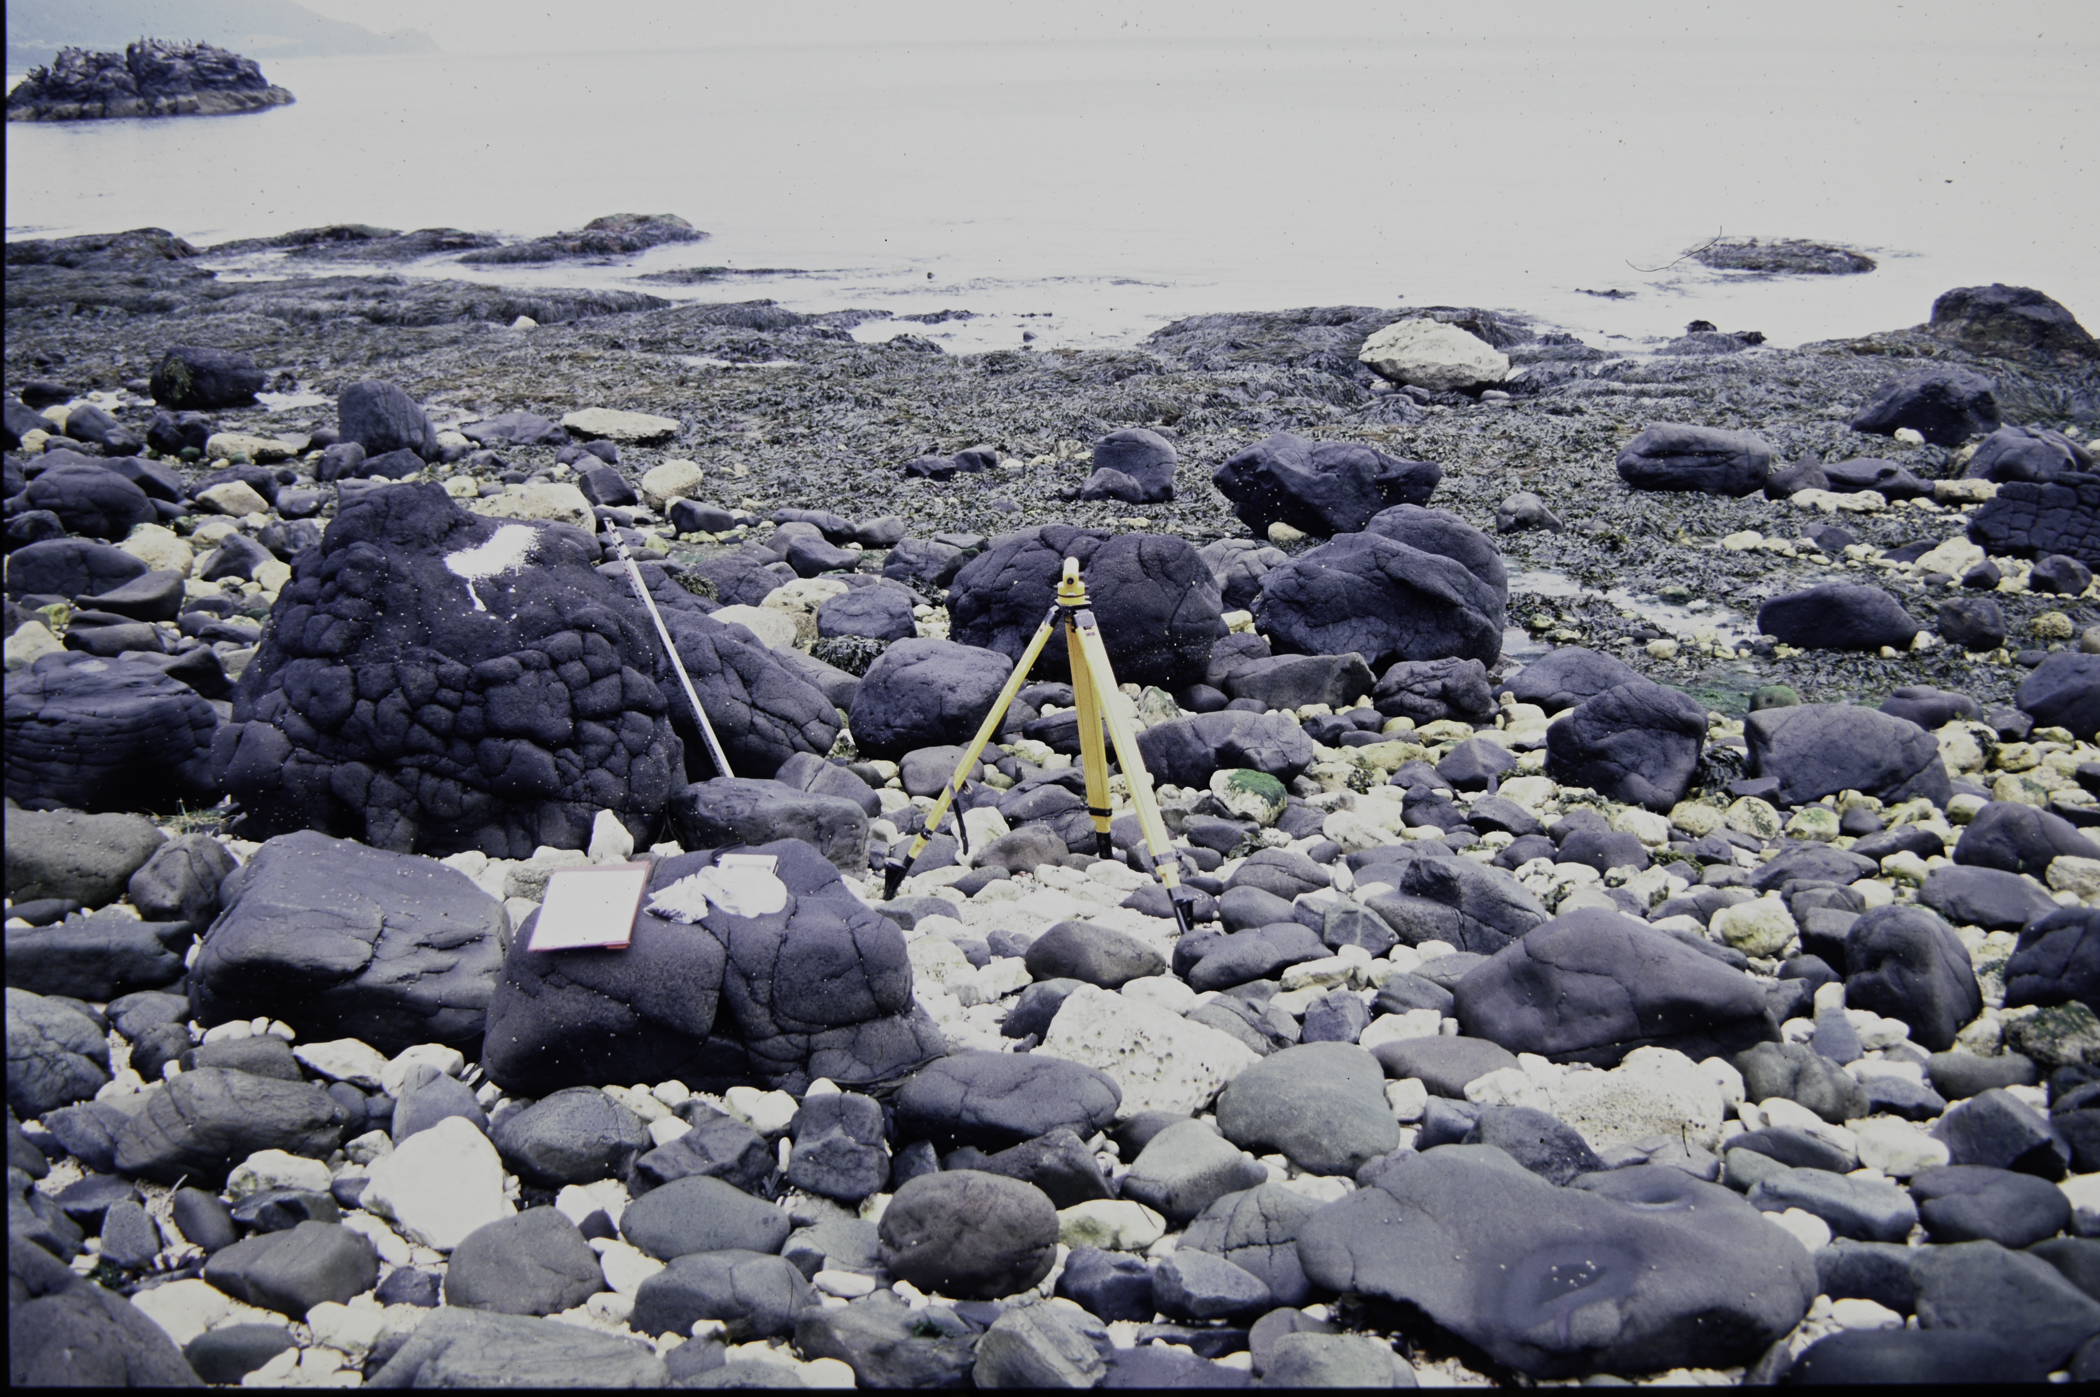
(1089, 192)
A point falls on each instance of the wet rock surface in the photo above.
(1727, 994)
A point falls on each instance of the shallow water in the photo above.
(1086, 192)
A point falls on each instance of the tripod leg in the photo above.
(1086, 639)
(1093, 701)
(893, 873)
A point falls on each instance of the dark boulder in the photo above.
(70, 567)
(1817, 750)
(1987, 897)
(700, 1214)
(380, 417)
(56, 1054)
(1568, 675)
(1320, 488)
(2019, 838)
(90, 501)
(1904, 963)
(1591, 986)
(344, 941)
(474, 1348)
(1974, 623)
(1672, 456)
(1638, 743)
(2057, 959)
(928, 563)
(1385, 600)
(573, 1136)
(1429, 690)
(2027, 519)
(755, 1295)
(1145, 460)
(2027, 453)
(733, 810)
(95, 958)
(881, 613)
(1185, 751)
(193, 376)
(1239, 565)
(1633, 1274)
(711, 1002)
(96, 734)
(433, 681)
(66, 1331)
(1294, 681)
(1156, 601)
(925, 692)
(531, 1263)
(995, 1100)
(1946, 406)
(205, 1121)
(2015, 321)
(2064, 691)
(1838, 616)
(1886, 478)
(762, 706)
(969, 1234)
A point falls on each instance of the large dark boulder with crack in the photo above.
(820, 988)
(206, 1120)
(478, 1348)
(2018, 322)
(1820, 749)
(1637, 1271)
(56, 1054)
(1838, 616)
(1946, 406)
(2031, 519)
(1638, 743)
(925, 692)
(763, 709)
(433, 681)
(1591, 986)
(1319, 488)
(1155, 599)
(192, 376)
(1672, 456)
(94, 734)
(380, 417)
(1385, 600)
(343, 941)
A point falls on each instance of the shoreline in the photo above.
(346, 1127)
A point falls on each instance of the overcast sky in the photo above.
(2051, 28)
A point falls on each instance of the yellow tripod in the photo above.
(1094, 689)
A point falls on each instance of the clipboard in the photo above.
(591, 908)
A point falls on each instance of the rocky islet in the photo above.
(290, 1100)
